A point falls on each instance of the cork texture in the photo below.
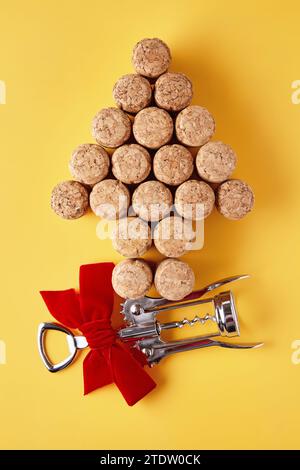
(174, 279)
(173, 164)
(132, 93)
(173, 236)
(132, 278)
(131, 163)
(151, 57)
(153, 127)
(131, 237)
(110, 199)
(152, 200)
(89, 164)
(194, 126)
(111, 127)
(235, 199)
(194, 200)
(173, 91)
(69, 200)
(215, 162)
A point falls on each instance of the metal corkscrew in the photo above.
(143, 331)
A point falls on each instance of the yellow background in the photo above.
(59, 60)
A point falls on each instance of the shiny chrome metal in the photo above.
(131, 332)
(225, 314)
(74, 343)
(224, 317)
(186, 321)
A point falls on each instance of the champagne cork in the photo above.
(131, 163)
(173, 164)
(194, 200)
(89, 164)
(69, 200)
(131, 237)
(111, 127)
(174, 279)
(152, 200)
(194, 126)
(235, 199)
(110, 199)
(153, 127)
(173, 91)
(132, 278)
(173, 236)
(132, 93)
(215, 162)
(151, 57)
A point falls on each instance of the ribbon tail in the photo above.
(129, 376)
(96, 372)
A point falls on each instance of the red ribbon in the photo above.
(90, 312)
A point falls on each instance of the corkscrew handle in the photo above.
(160, 350)
(178, 346)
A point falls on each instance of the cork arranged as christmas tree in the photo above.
(142, 173)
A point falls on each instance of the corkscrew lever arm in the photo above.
(156, 350)
(132, 308)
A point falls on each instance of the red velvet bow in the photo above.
(90, 312)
